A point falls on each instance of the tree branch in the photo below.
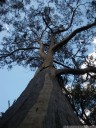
(60, 64)
(42, 48)
(71, 20)
(42, 53)
(69, 37)
(74, 62)
(19, 49)
(52, 40)
(69, 25)
(75, 71)
(47, 24)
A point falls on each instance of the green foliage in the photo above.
(83, 100)
(27, 21)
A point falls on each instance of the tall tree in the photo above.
(53, 37)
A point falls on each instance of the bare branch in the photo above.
(69, 37)
(76, 71)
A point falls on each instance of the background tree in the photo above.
(53, 34)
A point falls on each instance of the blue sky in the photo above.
(12, 83)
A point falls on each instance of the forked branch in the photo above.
(69, 37)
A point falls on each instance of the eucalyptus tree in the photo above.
(53, 37)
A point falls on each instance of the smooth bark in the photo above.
(41, 105)
(76, 71)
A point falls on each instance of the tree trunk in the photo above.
(41, 105)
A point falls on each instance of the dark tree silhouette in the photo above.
(53, 37)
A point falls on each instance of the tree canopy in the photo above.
(31, 30)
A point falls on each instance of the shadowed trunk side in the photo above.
(42, 105)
